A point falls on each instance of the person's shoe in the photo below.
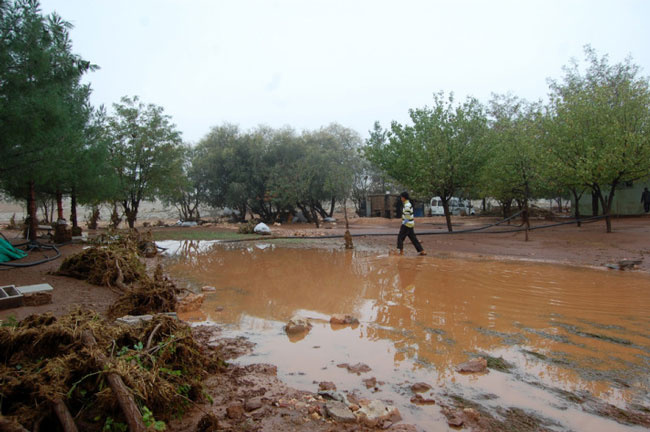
(423, 253)
(401, 251)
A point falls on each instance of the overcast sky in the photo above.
(307, 63)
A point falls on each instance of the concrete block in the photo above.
(28, 289)
(10, 297)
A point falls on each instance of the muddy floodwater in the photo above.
(562, 342)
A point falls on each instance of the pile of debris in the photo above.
(83, 370)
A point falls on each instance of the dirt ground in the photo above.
(276, 407)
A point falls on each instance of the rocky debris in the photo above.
(326, 385)
(333, 395)
(339, 412)
(343, 319)
(358, 368)
(134, 320)
(208, 423)
(370, 382)
(253, 404)
(208, 288)
(626, 264)
(262, 228)
(420, 387)
(235, 411)
(418, 399)
(190, 303)
(455, 420)
(297, 325)
(475, 365)
(378, 413)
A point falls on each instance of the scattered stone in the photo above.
(315, 416)
(471, 414)
(343, 319)
(190, 303)
(377, 412)
(208, 423)
(339, 412)
(354, 407)
(333, 395)
(262, 228)
(420, 387)
(358, 368)
(326, 385)
(314, 409)
(253, 404)
(455, 420)
(208, 288)
(475, 365)
(235, 411)
(628, 264)
(418, 399)
(370, 382)
(297, 325)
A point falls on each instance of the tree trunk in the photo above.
(31, 211)
(59, 205)
(483, 205)
(594, 204)
(606, 204)
(445, 207)
(577, 209)
(73, 209)
(331, 212)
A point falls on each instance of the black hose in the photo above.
(31, 246)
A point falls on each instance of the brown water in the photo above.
(578, 330)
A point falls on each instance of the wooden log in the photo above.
(64, 416)
(122, 392)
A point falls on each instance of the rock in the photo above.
(134, 320)
(333, 395)
(418, 399)
(475, 365)
(343, 319)
(471, 414)
(377, 412)
(208, 288)
(403, 428)
(326, 385)
(455, 420)
(262, 228)
(420, 387)
(297, 325)
(358, 368)
(190, 303)
(329, 219)
(253, 404)
(235, 411)
(370, 382)
(208, 423)
(628, 264)
(339, 412)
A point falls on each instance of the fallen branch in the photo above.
(64, 416)
(10, 425)
(122, 392)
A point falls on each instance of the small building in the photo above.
(390, 206)
(627, 200)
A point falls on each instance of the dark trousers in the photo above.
(404, 232)
(646, 206)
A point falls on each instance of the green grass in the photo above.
(188, 234)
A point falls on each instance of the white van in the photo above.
(457, 207)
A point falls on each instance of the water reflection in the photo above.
(569, 328)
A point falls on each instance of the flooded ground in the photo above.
(570, 346)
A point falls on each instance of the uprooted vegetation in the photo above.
(72, 363)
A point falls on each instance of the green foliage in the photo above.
(110, 425)
(600, 126)
(149, 420)
(145, 153)
(440, 153)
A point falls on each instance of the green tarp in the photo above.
(8, 252)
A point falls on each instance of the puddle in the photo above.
(563, 331)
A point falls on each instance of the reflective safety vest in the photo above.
(407, 215)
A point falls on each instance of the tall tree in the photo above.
(602, 120)
(440, 153)
(146, 153)
(40, 100)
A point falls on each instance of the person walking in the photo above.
(645, 199)
(408, 223)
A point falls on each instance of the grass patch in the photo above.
(188, 234)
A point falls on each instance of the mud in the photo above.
(540, 326)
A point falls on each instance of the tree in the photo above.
(514, 170)
(602, 125)
(189, 192)
(146, 153)
(441, 152)
(41, 101)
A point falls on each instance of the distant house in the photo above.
(390, 206)
(627, 200)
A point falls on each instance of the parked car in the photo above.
(457, 206)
